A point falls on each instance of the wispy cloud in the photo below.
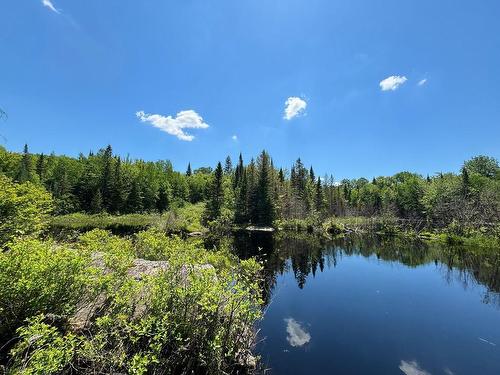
(294, 106)
(412, 368)
(422, 82)
(296, 335)
(174, 125)
(392, 83)
(234, 138)
(48, 4)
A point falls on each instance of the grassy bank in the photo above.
(185, 219)
(453, 234)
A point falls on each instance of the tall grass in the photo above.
(183, 219)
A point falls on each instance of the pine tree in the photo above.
(240, 211)
(228, 166)
(319, 197)
(188, 171)
(118, 189)
(238, 173)
(281, 176)
(264, 203)
(312, 177)
(299, 194)
(88, 183)
(134, 199)
(96, 203)
(216, 199)
(251, 200)
(107, 178)
(40, 167)
(25, 172)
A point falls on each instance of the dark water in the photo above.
(371, 306)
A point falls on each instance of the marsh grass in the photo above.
(184, 219)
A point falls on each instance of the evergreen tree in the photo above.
(216, 197)
(299, 194)
(188, 171)
(312, 177)
(88, 183)
(96, 203)
(134, 199)
(240, 211)
(251, 200)
(40, 167)
(228, 166)
(264, 204)
(118, 189)
(107, 178)
(238, 173)
(25, 172)
(319, 197)
(281, 176)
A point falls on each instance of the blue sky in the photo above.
(75, 76)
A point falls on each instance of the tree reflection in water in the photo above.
(308, 254)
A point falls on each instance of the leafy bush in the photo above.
(24, 209)
(40, 278)
(187, 310)
(48, 350)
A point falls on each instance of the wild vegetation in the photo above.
(108, 304)
(258, 193)
(125, 293)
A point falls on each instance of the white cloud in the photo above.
(296, 335)
(174, 125)
(48, 4)
(234, 138)
(392, 83)
(412, 368)
(294, 106)
(422, 82)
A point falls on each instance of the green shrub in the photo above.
(40, 278)
(195, 319)
(117, 253)
(194, 315)
(48, 350)
(24, 209)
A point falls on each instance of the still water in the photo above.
(371, 306)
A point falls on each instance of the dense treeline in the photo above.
(104, 182)
(257, 192)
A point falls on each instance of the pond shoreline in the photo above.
(66, 225)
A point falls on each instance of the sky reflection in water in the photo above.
(365, 306)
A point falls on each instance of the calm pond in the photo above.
(371, 306)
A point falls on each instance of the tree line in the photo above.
(256, 192)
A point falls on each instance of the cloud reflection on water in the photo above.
(296, 335)
(412, 368)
